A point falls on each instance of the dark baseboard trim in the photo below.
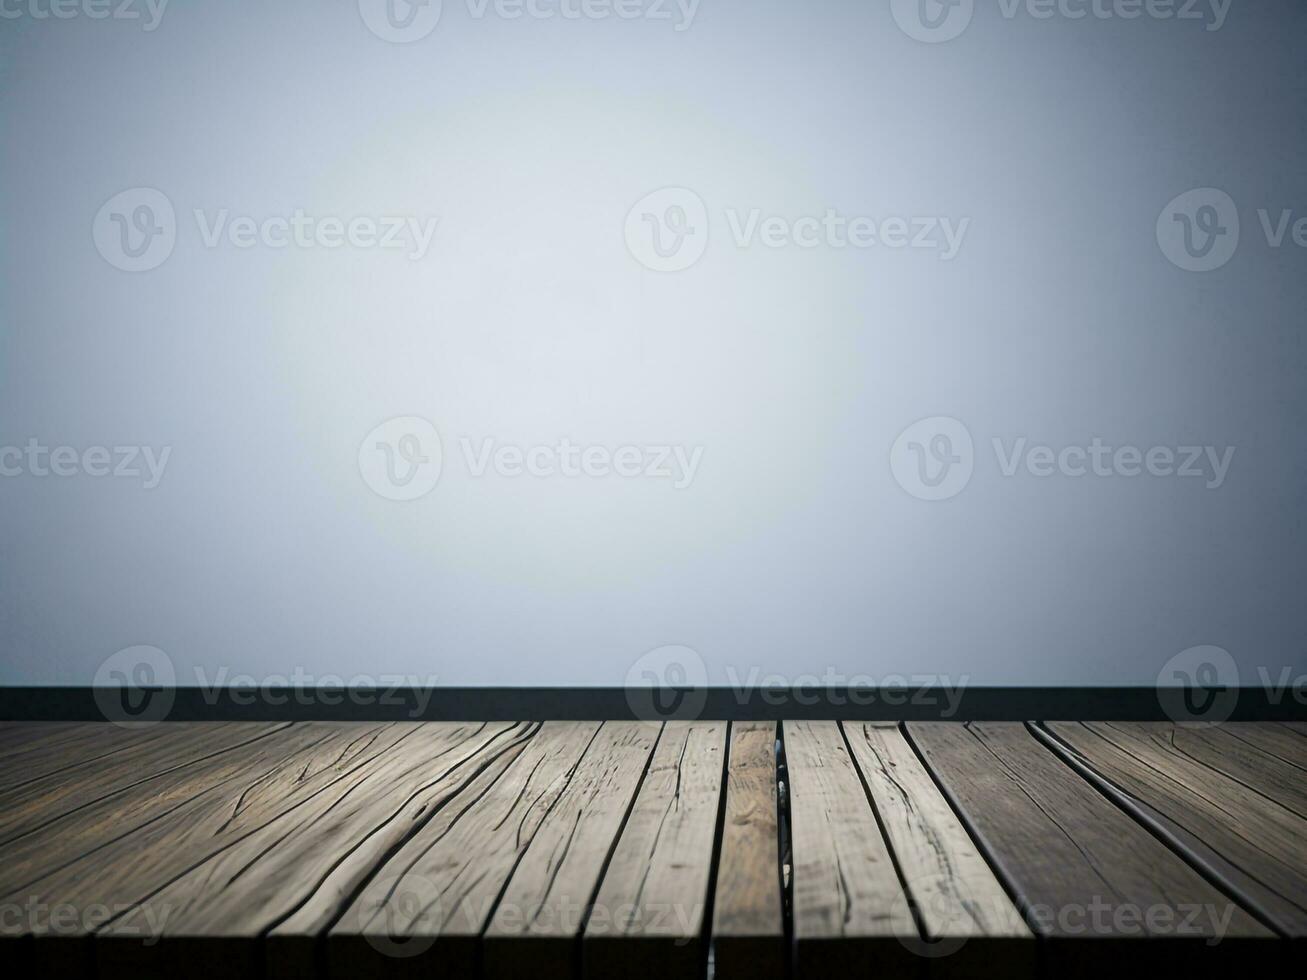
(581, 703)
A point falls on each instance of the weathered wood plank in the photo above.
(65, 839)
(849, 908)
(33, 803)
(537, 923)
(426, 908)
(1274, 740)
(316, 853)
(1256, 841)
(748, 927)
(116, 854)
(647, 920)
(971, 926)
(31, 750)
(1089, 879)
(1219, 748)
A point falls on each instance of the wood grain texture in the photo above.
(315, 853)
(427, 906)
(1274, 740)
(632, 850)
(647, 922)
(971, 926)
(1253, 838)
(536, 926)
(1219, 747)
(849, 908)
(31, 750)
(748, 928)
(64, 839)
(1090, 880)
(28, 804)
(113, 857)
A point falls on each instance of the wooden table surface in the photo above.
(651, 850)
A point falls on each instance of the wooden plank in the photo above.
(1218, 747)
(19, 736)
(115, 854)
(426, 908)
(1258, 843)
(62, 840)
(1089, 879)
(1274, 740)
(849, 908)
(748, 928)
(537, 923)
(318, 853)
(648, 917)
(31, 750)
(33, 803)
(971, 927)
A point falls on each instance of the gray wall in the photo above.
(803, 544)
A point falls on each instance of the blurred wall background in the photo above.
(1026, 270)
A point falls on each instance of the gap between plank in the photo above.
(479, 952)
(710, 901)
(1123, 801)
(783, 853)
(122, 913)
(982, 847)
(319, 940)
(884, 834)
(578, 956)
